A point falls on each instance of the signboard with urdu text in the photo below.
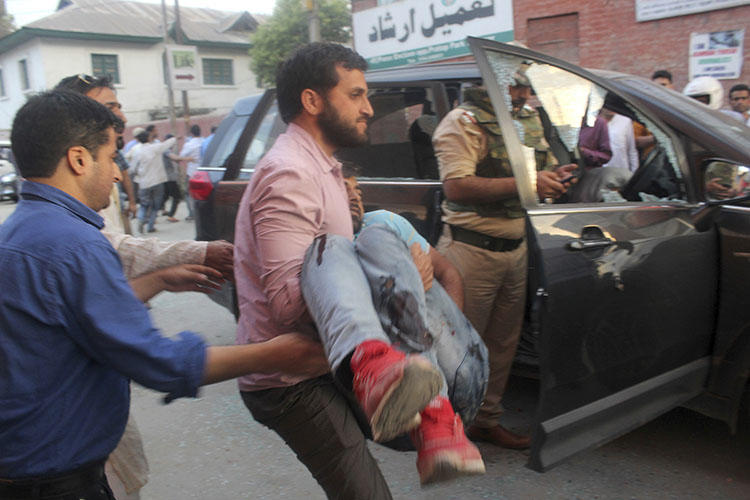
(416, 31)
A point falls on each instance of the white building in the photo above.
(124, 39)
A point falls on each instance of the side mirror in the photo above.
(725, 182)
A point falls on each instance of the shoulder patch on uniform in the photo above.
(468, 117)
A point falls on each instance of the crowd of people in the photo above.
(351, 326)
(159, 174)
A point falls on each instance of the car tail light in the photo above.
(200, 186)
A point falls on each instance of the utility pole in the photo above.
(180, 41)
(170, 93)
(314, 20)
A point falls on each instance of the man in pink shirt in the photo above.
(297, 194)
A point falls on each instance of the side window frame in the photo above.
(527, 191)
(440, 108)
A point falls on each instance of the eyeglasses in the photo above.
(87, 79)
(84, 82)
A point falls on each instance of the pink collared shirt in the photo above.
(296, 194)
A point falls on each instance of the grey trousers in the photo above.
(370, 289)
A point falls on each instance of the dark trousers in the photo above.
(172, 190)
(86, 483)
(317, 423)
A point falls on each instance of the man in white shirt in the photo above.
(192, 148)
(621, 134)
(151, 177)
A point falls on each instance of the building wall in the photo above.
(15, 97)
(141, 86)
(610, 38)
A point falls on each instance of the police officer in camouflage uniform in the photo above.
(485, 228)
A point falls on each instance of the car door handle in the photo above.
(587, 244)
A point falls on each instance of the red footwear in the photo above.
(392, 388)
(443, 450)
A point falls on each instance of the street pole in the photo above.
(314, 20)
(170, 94)
(178, 35)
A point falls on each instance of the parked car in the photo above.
(638, 302)
(10, 181)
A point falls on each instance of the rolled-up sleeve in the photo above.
(144, 255)
(115, 328)
(459, 144)
(287, 215)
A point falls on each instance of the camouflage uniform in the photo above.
(469, 142)
(478, 109)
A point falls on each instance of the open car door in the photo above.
(626, 286)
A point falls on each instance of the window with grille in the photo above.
(105, 65)
(218, 72)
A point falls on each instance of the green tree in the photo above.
(288, 28)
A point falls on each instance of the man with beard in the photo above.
(296, 204)
(484, 237)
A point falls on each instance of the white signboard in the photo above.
(717, 54)
(648, 10)
(183, 67)
(415, 31)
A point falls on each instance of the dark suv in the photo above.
(638, 298)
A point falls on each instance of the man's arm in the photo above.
(460, 144)
(144, 255)
(175, 157)
(220, 256)
(184, 278)
(291, 353)
(448, 276)
(286, 217)
(127, 185)
(125, 339)
(473, 189)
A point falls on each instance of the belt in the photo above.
(481, 240)
(52, 486)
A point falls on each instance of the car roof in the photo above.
(422, 72)
(724, 135)
(713, 129)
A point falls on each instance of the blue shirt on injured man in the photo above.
(398, 225)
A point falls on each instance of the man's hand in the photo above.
(220, 256)
(191, 278)
(298, 354)
(424, 265)
(132, 208)
(718, 191)
(291, 353)
(183, 278)
(549, 183)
